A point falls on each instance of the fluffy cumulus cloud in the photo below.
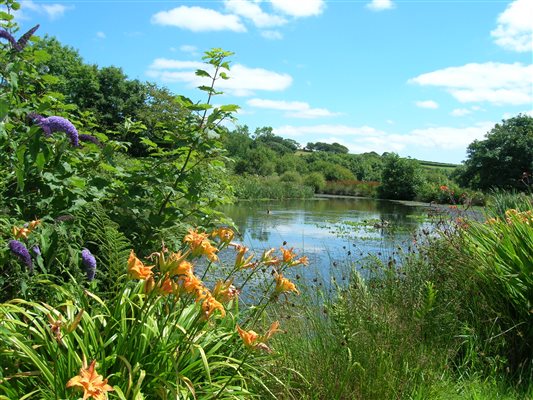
(245, 81)
(380, 5)
(515, 27)
(294, 109)
(52, 10)
(299, 8)
(198, 19)
(491, 82)
(252, 11)
(427, 104)
(453, 140)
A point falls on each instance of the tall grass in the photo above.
(451, 319)
(256, 187)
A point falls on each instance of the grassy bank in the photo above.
(449, 320)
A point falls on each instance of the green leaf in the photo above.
(5, 16)
(229, 108)
(41, 56)
(201, 72)
(40, 161)
(223, 75)
(4, 108)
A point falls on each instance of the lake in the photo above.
(333, 232)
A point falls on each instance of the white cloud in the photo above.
(198, 19)
(460, 112)
(515, 27)
(380, 5)
(187, 48)
(244, 81)
(427, 104)
(100, 35)
(252, 11)
(53, 11)
(165, 63)
(294, 109)
(299, 8)
(272, 35)
(491, 82)
(366, 138)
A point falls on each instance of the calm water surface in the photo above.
(333, 232)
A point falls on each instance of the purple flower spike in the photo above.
(6, 35)
(89, 262)
(23, 41)
(89, 138)
(36, 250)
(20, 250)
(56, 124)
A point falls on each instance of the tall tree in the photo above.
(501, 160)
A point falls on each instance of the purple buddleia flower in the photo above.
(36, 250)
(56, 124)
(89, 262)
(6, 35)
(20, 250)
(23, 41)
(89, 138)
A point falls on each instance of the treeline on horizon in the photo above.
(107, 100)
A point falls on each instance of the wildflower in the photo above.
(93, 385)
(253, 340)
(172, 263)
(444, 188)
(183, 268)
(36, 250)
(284, 285)
(224, 234)
(267, 258)
(288, 254)
(89, 262)
(136, 268)
(200, 245)
(20, 250)
(225, 291)
(240, 261)
(192, 284)
(6, 35)
(55, 326)
(210, 304)
(20, 232)
(23, 40)
(56, 124)
(89, 138)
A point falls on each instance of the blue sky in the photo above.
(420, 78)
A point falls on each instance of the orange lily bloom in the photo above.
(248, 337)
(93, 385)
(284, 285)
(192, 284)
(200, 245)
(225, 235)
(210, 304)
(240, 261)
(136, 268)
(288, 254)
(225, 291)
(252, 340)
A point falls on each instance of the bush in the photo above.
(315, 180)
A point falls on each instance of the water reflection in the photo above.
(333, 232)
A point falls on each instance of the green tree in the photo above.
(400, 178)
(502, 158)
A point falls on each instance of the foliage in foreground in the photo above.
(164, 334)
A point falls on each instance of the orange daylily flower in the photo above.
(192, 284)
(183, 268)
(25, 230)
(210, 304)
(284, 285)
(252, 340)
(225, 291)
(200, 245)
(224, 234)
(248, 337)
(167, 286)
(288, 254)
(136, 268)
(93, 385)
(240, 261)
